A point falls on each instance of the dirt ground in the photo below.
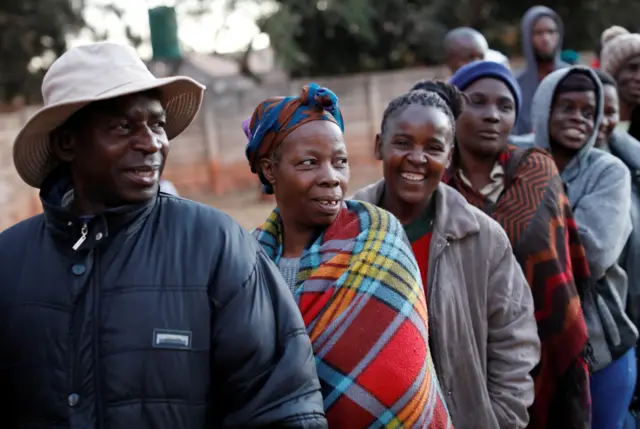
(247, 209)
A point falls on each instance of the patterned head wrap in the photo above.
(275, 118)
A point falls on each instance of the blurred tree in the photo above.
(311, 37)
(345, 36)
(201, 8)
(30, 29)
(323, 37)
(118, 11)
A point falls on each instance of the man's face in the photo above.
(118, 149)
(545, 37)
(465, 51)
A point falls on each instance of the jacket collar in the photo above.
(67, 226)
(454, 218)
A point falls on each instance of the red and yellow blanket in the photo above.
(361, 297)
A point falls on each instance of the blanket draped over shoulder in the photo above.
(360, 295)
(536, 215)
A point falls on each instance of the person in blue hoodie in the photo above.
(542, 34)
(567, 111)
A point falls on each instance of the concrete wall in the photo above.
(17, 200)
(208, 159)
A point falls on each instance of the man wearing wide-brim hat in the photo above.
(123, 307)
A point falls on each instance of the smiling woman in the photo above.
(522, 190)
(310, 173)
(349, 267)
(478, 299)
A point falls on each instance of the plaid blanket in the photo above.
(360, 295)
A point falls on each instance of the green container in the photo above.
(163, 26)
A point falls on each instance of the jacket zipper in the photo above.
(84, 232)
(96, 338)
(83, 236)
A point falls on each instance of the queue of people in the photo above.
(487, 281)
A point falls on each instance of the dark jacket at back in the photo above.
(627, 149)
(168, 316)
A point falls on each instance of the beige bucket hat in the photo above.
(90, 73)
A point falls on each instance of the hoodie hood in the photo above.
(541, 112)
(528, 78)
(526, 28)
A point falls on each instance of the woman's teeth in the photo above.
(575, 133)
(329, 203)
(414, 177)
(145, 173)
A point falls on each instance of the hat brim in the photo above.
(33, 156)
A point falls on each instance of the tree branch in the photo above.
(243, 62)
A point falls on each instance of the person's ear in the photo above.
(450, 155)
(378, 147)
(267, 167)
(63, 144)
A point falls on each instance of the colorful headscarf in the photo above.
(275, 118)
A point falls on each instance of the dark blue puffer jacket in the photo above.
(168, 316)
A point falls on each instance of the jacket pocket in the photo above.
(155, 342)
(609, 326)
(611, 333)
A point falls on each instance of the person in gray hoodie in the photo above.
(542, 34)
(567, 111)
(627, 149)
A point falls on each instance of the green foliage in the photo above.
(28, 29)
(325, 37)
(313, 37)
(282, 28)
(347, 36)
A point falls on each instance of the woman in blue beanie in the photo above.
(522, 190)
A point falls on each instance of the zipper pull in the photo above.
(84, 231)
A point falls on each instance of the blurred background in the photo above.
(366, 51)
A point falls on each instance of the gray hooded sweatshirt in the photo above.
(627, 149)
(599, 190)
(528, 78)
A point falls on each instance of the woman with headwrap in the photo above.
(348, 266)
(483, 330)
(522, 190)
